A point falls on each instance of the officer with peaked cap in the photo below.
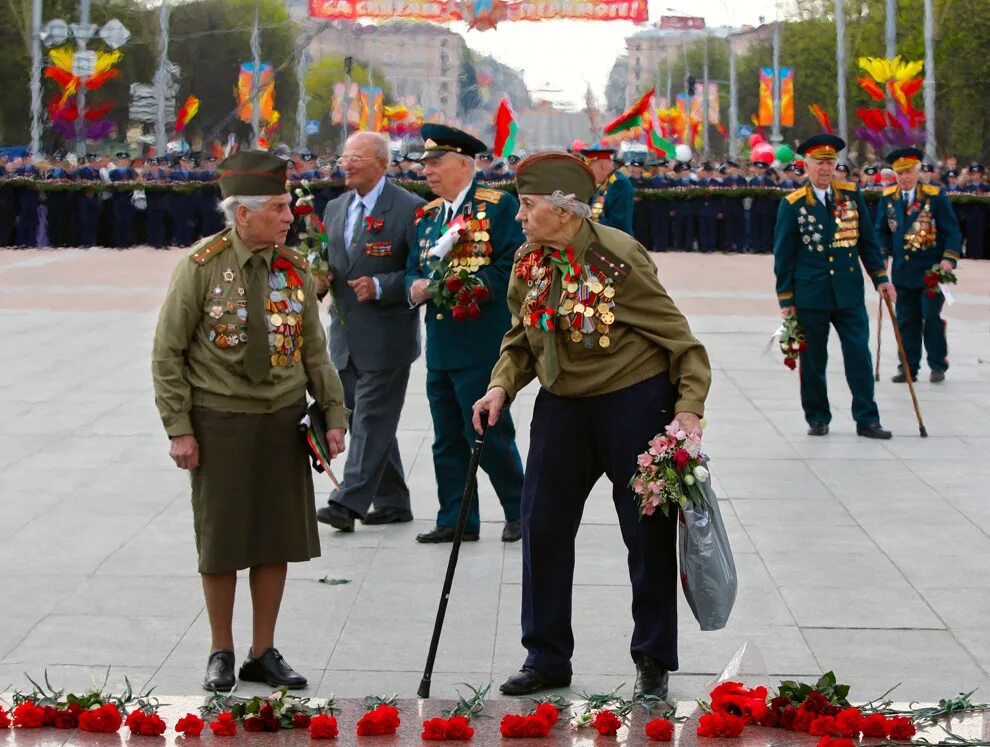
(231, 375)
(612, 202)
(823, 235)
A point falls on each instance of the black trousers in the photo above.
(573, 441)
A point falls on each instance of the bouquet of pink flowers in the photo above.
(669, 471)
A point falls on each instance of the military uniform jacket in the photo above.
(201, 339)
(486, 247)
(612, 203)
(817, 255)
(923, 236)
(612, 326)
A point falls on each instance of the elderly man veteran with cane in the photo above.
(231, 373)
(617, 362)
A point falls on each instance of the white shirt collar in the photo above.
(821, 194)
(458, 201)
(910, 195)
(371, 198)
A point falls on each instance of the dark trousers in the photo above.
(452, 394)
(764, 219)
(684, 226)
(373, 472)
(707, 227)
(573, 442)
(853, 328)
(87, 219)
(123, 220)
(919, 318)
(660, 225)
(27, 219)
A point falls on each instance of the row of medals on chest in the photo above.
(812, 231)
(473, 246)
(581, 302)
(284, 318)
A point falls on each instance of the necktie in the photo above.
(550, 361)
(257, 364)
(828, 201)
(907, 202)
(447, 214)
(356, 229)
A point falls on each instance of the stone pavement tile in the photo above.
(171, 678)
(947, 570)
(159, 548)
(768, 478)
(334, 562)
(942, 448)
(355, 683)
(976, 640)
(841, 446)
(891, 603)
(779, 544)
(98, 640)
(801, 514)
(456, 653)
(896, 653)
(829, 565)
(72, 678)
(959, 608)
(175, 597)
(770, 649)
(960, 537)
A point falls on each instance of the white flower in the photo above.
(445, 243)
(700, 473)
(299, 193)
(305, 183)
(689, 479)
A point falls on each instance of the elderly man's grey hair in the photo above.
(570, 203)
(377, 141)
(229, 206)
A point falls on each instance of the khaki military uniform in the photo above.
(252, 497)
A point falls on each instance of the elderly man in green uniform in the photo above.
(612, 203)
(617, 362)
(823, 233)
(461, 348)
(231, 374)
(917, 225)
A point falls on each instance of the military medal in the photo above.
(228, 275)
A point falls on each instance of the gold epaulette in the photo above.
(798, 194)
(847, 186)
(892, 190)
(211, 247)
(488, 195)
(293, 256)
(931, 189)
(432, 204)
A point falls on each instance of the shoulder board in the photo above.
(488, 195)
(211, 247)
(931, 189)
(891, 190)
(797, 194)
(293, 256)
(607, 262)
(847, 186)
(528, 248)
(432, 204)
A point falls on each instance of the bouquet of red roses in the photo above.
(792, 341)
(457, 289)
(669, 471)
(936, 277)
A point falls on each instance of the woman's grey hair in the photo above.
(229, 206)
(570, 203)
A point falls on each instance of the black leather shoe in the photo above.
(873, 430)
(651, 678)
(512, 531)
(219, 671)
(337, 515)
(937, 377)
(530, 680)
(444, 534)
(388, 515)
(900, 378)
(818, 429)
(270, 667)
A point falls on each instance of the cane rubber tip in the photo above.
(924, 432)
(424, 689)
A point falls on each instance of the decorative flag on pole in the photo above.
(265, 97)
(765, 115)
(655, 141)
(822, 116)
(505, 130)
(632, 117)
(372, 106)
(187, 112)
(787, 97)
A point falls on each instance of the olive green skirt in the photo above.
(252, 495)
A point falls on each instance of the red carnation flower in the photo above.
(145, 724)
(874, 725)
(607, 723)
(106, 719)
(224, 726)
(548, 712)
(835, 742)
(459, 313)
(822, 726)
(660, 730)
(815, 702)
(732, 697)
(29, 716)
(4, 719)
(323, 726)
(473, 311)
(190, 725)
(67, 718)
(458, 727)
(900, 728)
(802, 719)
(383, 720)
(520, 727)
(849, 722)
(785, 719)
(254, 724)
(434, 730)
(300, 720)
(51, 713)
(720, 725)
(454, 283)
(480, 293)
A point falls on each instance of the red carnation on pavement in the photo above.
(106, 719)
(190, 725)
(835, 742)
(434, 730)
(4, 719)
(383, 720)
(660, 730)
(454, 283)
(607, 723)
(874, 725)
(849, 721)
(549, 713)
(458, 727)
(732, 697)
(68, 717)
(29, 716)
(720, 725)
(900, 728)
(300, 720)
(323, 726)
(822, 726)
(224, 726)
(520, 727)
(145, 724)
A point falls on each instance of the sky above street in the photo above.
(559, 58)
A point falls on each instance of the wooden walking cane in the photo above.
(904, 366)
(876, 370)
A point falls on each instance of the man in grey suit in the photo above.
(371, 229)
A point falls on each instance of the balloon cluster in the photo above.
(761, 150)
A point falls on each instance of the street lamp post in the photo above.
(733, 101)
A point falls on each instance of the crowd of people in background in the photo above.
(173, 201)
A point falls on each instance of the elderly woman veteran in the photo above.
(617, 362)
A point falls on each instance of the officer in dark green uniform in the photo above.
(917, 226)
(823, 232)
(462, 342)
(612, 202)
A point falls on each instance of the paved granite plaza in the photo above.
(869, 558)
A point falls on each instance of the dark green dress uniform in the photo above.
(818, 249)
(238, 344)
(919, 235)
(460, 354)
(616, 360)
(613, 203)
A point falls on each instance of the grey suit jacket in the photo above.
(380, 334)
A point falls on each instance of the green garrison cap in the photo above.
(546, 173)
(252, 172)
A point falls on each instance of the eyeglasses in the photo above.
(354, 159)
